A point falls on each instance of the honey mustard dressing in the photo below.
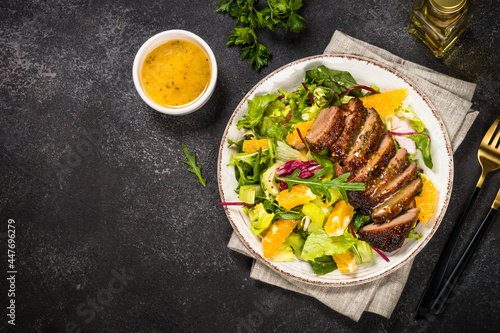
(176, 73)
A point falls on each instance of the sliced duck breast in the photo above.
(382, 193)
(325, 129)
(377, 161)
(355, 115)
(396, 166)
(365, 144)
(396, 203)
(390, 236)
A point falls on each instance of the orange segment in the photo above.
(339, 219)
(427, 201)
(251, 146)
(276, 236)
(385, 103)
(299, 195)
(346, 262)
(293, 138)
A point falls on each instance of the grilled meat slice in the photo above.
(355, 115)
(366, 142)
(337, 169)
(382, 193)
(395, 167)
(390, 236)
(396, 203)
(377, 161)
(376, 164)
(326, 128)
(365, 201)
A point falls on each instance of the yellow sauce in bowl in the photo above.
(176, 73)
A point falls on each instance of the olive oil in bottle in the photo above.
(439, 23)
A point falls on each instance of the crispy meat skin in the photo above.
(377, 161)
(395, 166)
(389, 236)
(395, 184)
(366, 142)
(326, 128)
(355, 115)
(375, 165)
(362, 147)
(393, 177)
(396, 203)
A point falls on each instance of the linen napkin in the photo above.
(452, 99)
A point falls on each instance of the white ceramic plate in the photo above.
(365, 72)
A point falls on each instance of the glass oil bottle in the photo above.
(439, 23)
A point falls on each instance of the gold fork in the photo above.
(489, 158)
(489, 152)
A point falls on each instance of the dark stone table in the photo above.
(114, 235)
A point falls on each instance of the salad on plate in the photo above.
(330, 172)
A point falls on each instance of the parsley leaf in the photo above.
(195, 168)
(224, 5)
(282, 13)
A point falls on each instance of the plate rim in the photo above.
(421, 244)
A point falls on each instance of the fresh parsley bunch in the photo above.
(276, 13)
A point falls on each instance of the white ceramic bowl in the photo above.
(365, 72)
(163, 37)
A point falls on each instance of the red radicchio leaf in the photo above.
(283, 186)
(307, 168)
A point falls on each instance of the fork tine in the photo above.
(496, 139)
(488, 137)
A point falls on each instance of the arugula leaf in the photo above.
(323, 265)
(281, 213)
(251, 17)
(317, 185)
(195, 168)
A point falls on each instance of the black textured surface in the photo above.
(127, 203)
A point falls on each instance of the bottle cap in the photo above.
(448, 6)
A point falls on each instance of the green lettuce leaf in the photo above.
(284, 253)
(296, 241)
(256, 108)
(250, 165)
(334, 79)
(319, 244)
(322, 98)
(323, 265)
(359, 220)
(410, 114)
(424, 145)
(260, 219)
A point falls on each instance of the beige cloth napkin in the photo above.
(451, 98)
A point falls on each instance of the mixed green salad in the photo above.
(292, 198)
